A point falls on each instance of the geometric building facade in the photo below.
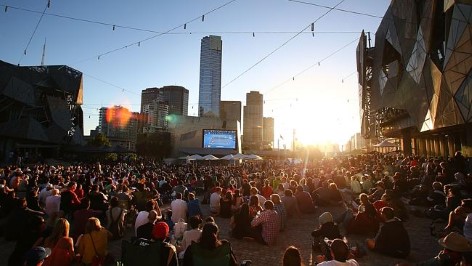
(40, 109)
(415, 84)
(253, 121)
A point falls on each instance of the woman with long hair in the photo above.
(254, 206)
(225, 205)
(94, 242)
(241, 223)
(237, 200)
(116, 219)
(292, 257)
(208, 249)
(61, 245)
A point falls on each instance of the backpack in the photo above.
(117, 227)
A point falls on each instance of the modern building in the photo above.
(209, 93)
(174, 96)
(253, 121)
(155, 116)
(230, 110)
(119, 125)
(187, 135)
(268, 132)
(415, 84)
(40, 110)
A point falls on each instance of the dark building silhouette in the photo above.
(40, 109)
(416, 82)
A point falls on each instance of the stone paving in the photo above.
(297, 233)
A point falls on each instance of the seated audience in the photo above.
(392, 238)
(269, 225)
(340, 253)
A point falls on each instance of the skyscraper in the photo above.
(209, 95)
(253, 121)
(174, 96)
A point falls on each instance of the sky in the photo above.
(308, 79)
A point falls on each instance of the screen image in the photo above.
(214, 138)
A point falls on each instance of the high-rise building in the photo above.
(119, 125)
(230, 110)
(154, 115)
(209, 94)
(177, 99)
(253, 121)
(175, 96)
(268, 132)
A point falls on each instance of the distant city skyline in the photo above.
(302, 63)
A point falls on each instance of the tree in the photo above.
(100, 140)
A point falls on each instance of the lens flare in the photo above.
(118, 116)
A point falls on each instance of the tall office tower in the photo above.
(230, 110)
(253, 121)
(175, 96)
(209, 94)
(268, 132)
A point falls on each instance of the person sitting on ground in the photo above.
(179, 208)
(269, 225)
(116, 219)
(201, 253)
(81, 217)
(94, 242)
(255, 192)
(378, 191)
(392, 238)
(280, 209)
(60, 244)
(457, 217)
(335, 197)
(193, 206)
(360, 219)
(142, 217)
(292, 257)
(327, 229)
(290, 204)
(192, 235)
(454, 246)
(304, 200)
(266, 189)
(160, 233)
(340, 253)
(254, 206)
(237, 201)
(225, 205)
(241, 223)
(36, 256)
(215, 198)
(321, 195)
(145, 230)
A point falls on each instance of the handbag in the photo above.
(98, 260)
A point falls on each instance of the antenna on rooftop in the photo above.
(44, 52)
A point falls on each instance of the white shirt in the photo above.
(141, 219)
(215, 202)
(262, 199)
(179, 210)
(43, 195)
(53, 203)
(350, 262)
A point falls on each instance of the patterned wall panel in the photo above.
(422, 64)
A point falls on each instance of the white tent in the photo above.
(253, 157)
(194, 157)
(239, 156)
(210, 157)
(228, 157)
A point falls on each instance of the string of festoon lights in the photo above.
(48, 5)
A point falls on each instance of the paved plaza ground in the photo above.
(297, 233)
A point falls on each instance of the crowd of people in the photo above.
(67, 214)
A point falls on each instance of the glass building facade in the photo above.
(209, 96)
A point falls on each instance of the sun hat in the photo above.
(325, 217)
(455, 242)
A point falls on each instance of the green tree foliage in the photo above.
(100, 140)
